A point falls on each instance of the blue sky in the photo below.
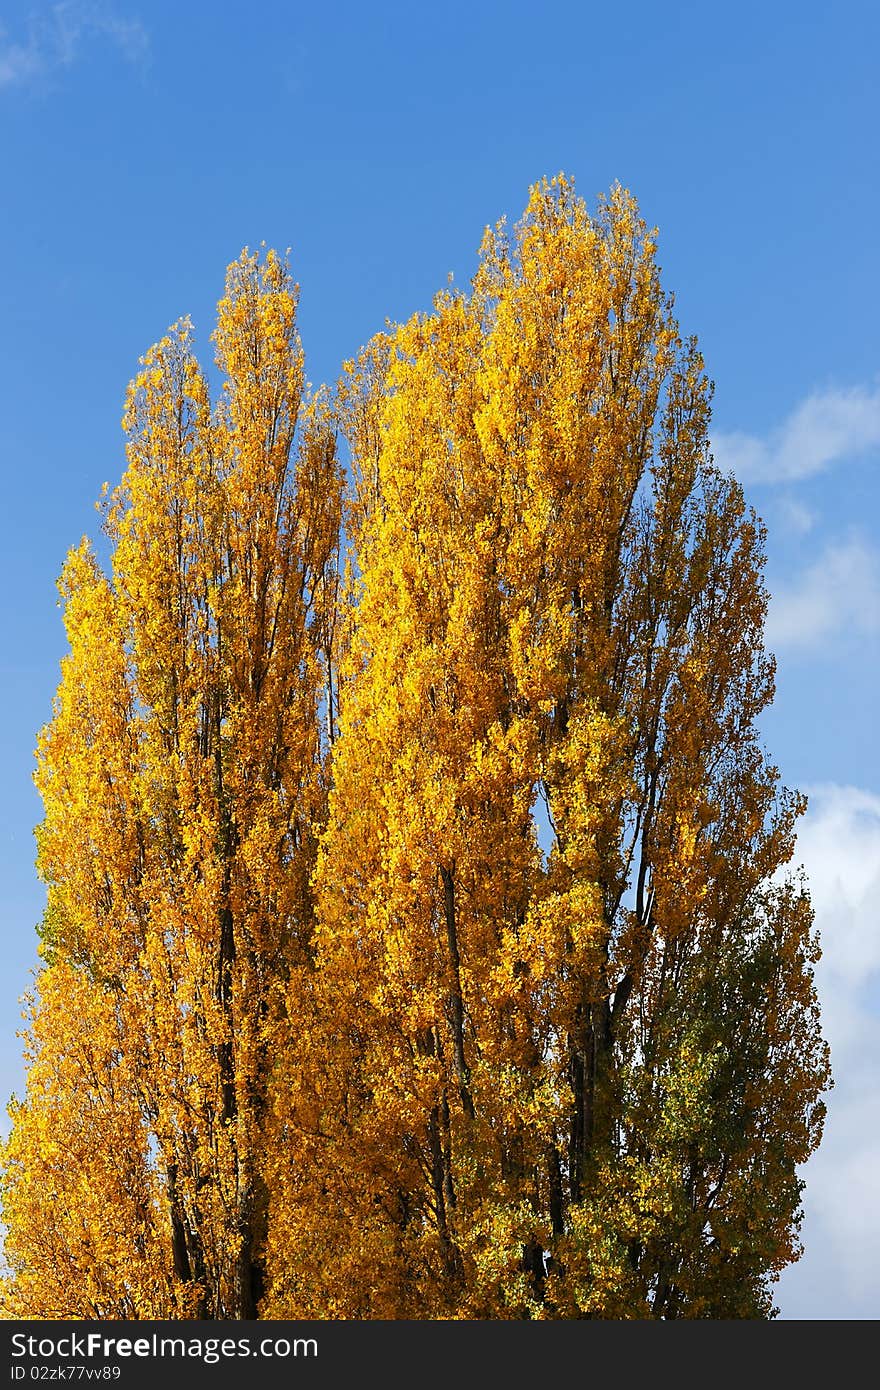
(142, 145)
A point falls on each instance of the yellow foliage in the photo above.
(419, 909)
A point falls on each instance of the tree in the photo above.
(418, 940)
(184, 783)
(570, 1078)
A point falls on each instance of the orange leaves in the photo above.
(183, 788)
(417, 901)
(555, 588)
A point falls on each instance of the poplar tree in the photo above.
(571, 1052)
(419, 940)
(184, 783)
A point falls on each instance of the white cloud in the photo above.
(795, 516)
(839, 842)
(55, 40)
(829, 426)
(839, 1275)
(837, 595)
(18, 62)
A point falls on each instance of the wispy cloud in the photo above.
(837, 595)
(19, 62)
(827, 428)
(839, 845)
(795, 516)
(56, 39)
